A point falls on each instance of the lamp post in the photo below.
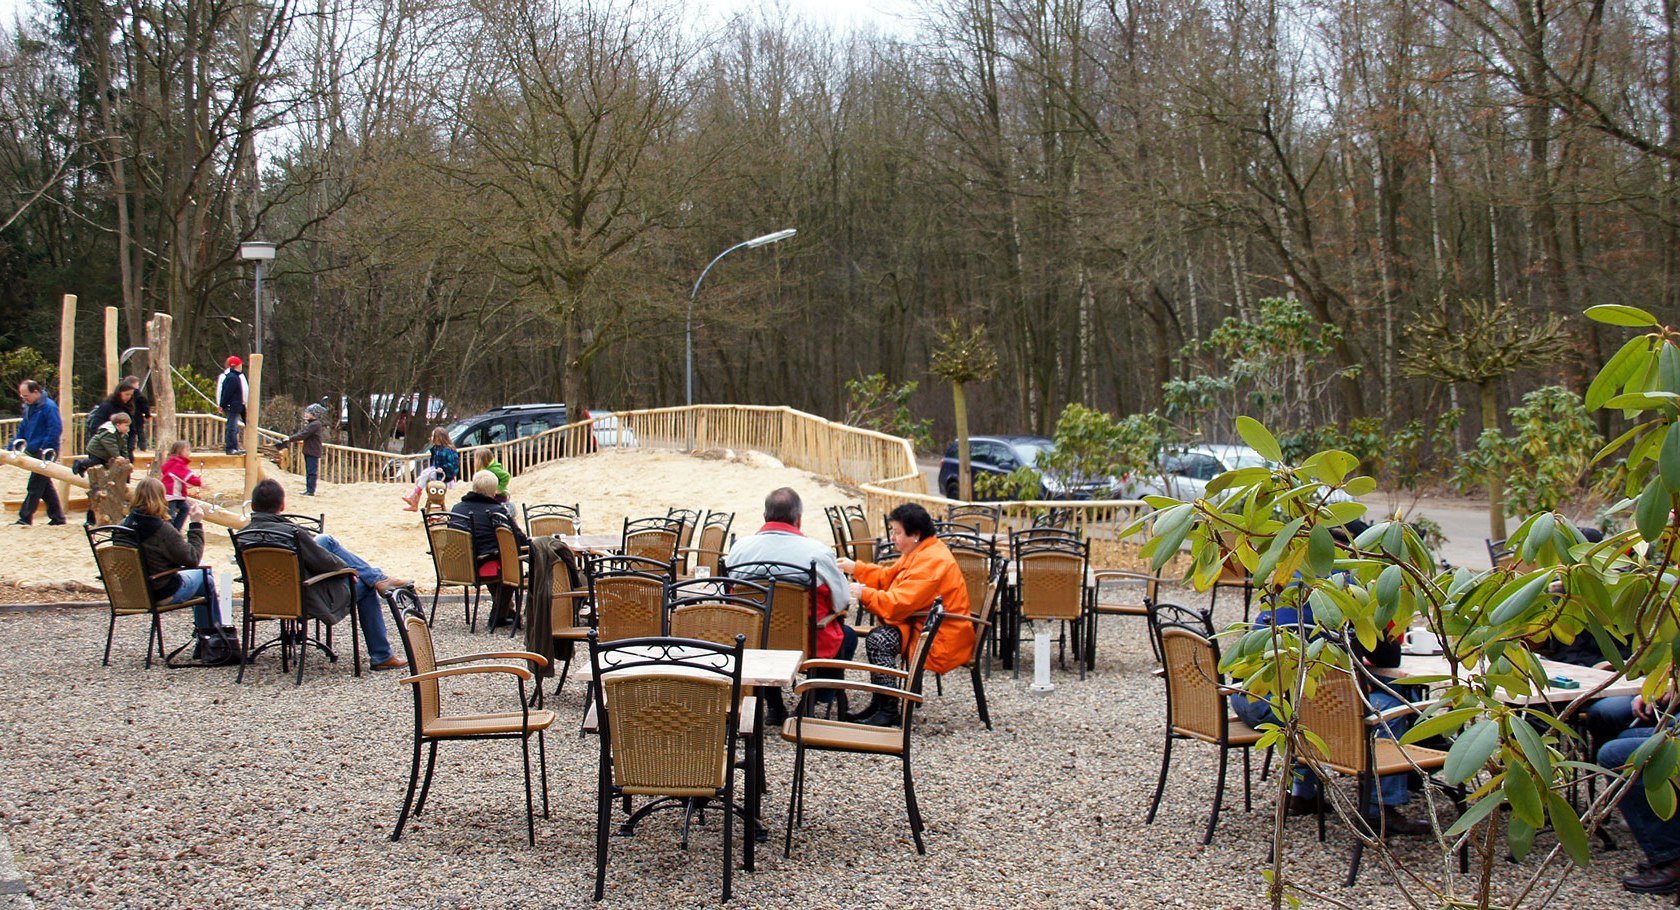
(258, 252)
(688, 333)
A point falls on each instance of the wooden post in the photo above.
(66, 404)
(113, 354)
(253, 398)
(163, 402)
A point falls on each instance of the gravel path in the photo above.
(122, 787)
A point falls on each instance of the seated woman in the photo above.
(480, 513)
(485, 460)
(925, 570)
(162, 547)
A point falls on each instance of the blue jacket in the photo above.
(41, 426)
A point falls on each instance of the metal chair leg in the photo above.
(910, 805)
(408, 798)
(110, 633)
(530, 809)
(1218, 796)
(426, 785)
(980, 695)
(1160, 782)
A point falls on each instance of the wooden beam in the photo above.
(253, 398)
(163, 400)
(113, 354)
(66, 401)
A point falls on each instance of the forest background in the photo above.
(1200, 208)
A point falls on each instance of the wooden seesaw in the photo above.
(62, 473)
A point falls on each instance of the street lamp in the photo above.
(258, 252)
(688, 333)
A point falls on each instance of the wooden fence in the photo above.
(882, 467)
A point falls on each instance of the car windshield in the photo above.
(1030, 451)
(1238, 460)
(457, 428)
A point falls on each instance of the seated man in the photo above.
(325, 554)
(1393, 790)
(781, 540)
(1623, 725)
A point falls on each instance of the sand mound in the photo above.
(608, 487)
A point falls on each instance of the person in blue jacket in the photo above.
(38, 433)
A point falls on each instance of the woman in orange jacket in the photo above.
(925, 570)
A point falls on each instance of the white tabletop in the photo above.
(1588, 677)
(759, 667)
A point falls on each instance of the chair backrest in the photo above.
(792, 602)
(507, 553)
(451, 547)
(1163, 614)
(882, 551)
(714, 536)
(628, 604)
(1053, 519)
(410, 618)
(1137, 590)
(1500, 553)
(690, 519)
(837, 529)
(651, 538)
(858, 536)
(717, 610)
(669, 711)
(1051, 576)
(117, 553)
(952, 528)
(268, 559)
(985, 608)
(976, 558)
(1195, 704)
(918, 658)
(1336, 713)
(546, 518)
(1038, 534)
(314, 524)
(984, 518)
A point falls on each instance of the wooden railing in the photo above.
(882, 467)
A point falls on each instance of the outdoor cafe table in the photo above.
(1588, 677)
(591, 543)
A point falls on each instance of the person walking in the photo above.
(38, 433)
(231, 393)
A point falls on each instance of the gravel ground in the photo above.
(122, 787)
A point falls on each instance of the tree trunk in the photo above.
(1495, 484)
(965, 479)
(163, 398)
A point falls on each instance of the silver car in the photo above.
(1186, 472)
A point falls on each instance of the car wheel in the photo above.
(951, 490)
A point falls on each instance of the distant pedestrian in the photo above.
(38, 433)
(231, 394)
(310, 436)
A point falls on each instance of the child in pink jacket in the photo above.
(178, 475)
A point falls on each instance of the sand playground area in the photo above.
(369, 518)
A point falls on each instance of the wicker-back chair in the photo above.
(943, 528)
(568, 612)
(707, 552)
(547, 518)
(718, 611)
(651, 538)
(627, 602)
(977, 557)
(985, 607)
(511, 573)
(451, 548)
(837, 529)
(792, 601)
(859, 538)
(1339, 715)
(1162, 614)
(669, 714)
(1050, 587)
(1118, 592)
(432, 726)
(1197, 709)
(276, 589)
(807, 732)
(689, 520)
(984, 518)
(122, 570)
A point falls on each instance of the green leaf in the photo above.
(1534, 749)
(1668, 460)
(1321, 551)
(1639, 401)
(1388, 585)
(1359, 486)
(1621, 314)
(1261, 439)
(1524, 796)
(1521, 600)
(1519, 834)
(1617, 371)
(1436, 725)
(1470, 752)
(1659, 792)
(1651, 514)
(1668, 368)
(1567, 826)
(1482, 809)
(1274, 551)
(1538, 534)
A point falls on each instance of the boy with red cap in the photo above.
(230, 396)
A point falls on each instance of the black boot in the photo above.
(884, 716)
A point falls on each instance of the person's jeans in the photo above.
(235, 419)
(1608, 718)
(193, 583)
(39, 489)
(311, 468)
(1658, 838)
(178, 513)
(368, 611)
(1392, 789)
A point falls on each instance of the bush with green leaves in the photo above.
(874, 403)
(1023, 483)
(23, 363)
(1544, 460)
(195, 393)
(1276, 522)
(1091, 446)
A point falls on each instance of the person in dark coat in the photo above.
(38, 433)
(310, 437)
(480, 513)
(162, 547)
(141, 411)
(120, 401)
(231, 393)
(323, 553)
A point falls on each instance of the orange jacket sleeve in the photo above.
(909, 589)
(872, 575)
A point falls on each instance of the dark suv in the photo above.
(509, 422)
(991, 455)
